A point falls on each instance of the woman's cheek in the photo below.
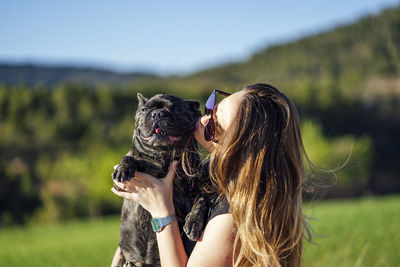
(199, 133)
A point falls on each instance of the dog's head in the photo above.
(165, 120)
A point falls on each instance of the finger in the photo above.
(172, 166)
(132, 185)
(120, 185)
(171, 171)
(124, 194)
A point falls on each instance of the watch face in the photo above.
(155, 223)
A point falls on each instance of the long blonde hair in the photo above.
(258, 165)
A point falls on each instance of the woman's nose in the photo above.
(205, 119)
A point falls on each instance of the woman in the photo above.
(256, 159)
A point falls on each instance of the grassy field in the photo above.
(80, 243)
(362, 232)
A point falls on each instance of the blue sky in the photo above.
(173, 36)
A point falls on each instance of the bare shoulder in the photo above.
(222, 224)
(215, 246)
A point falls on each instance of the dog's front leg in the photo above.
(125, 169)
(195, 221)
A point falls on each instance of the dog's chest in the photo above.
(155, 166)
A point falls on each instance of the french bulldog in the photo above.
(164, 126)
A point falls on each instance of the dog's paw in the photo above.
(193, 227)
(124, 170)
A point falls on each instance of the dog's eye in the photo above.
(144, 109)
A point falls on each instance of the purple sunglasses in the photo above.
(209, 131)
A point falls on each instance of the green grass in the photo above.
(362, 232)
(79, 243)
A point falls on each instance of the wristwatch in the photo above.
(158, 223)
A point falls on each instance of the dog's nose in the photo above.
(158, 114)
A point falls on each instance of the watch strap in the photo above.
(158, 223)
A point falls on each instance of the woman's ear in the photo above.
(142, 99)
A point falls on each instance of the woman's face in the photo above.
(225, 113)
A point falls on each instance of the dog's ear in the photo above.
(195, 105)
(142, 99)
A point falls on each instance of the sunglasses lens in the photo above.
(209, 130)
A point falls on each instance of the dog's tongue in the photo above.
(173, 138)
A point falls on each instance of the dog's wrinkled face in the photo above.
(165, 120)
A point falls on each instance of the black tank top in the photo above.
(221, 206)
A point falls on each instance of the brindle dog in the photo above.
(163, 133)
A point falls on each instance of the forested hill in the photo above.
(351, 59)
(31, 74)
(347, 78)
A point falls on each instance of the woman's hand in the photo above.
(153, 194)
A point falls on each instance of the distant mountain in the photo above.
(32, 74)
